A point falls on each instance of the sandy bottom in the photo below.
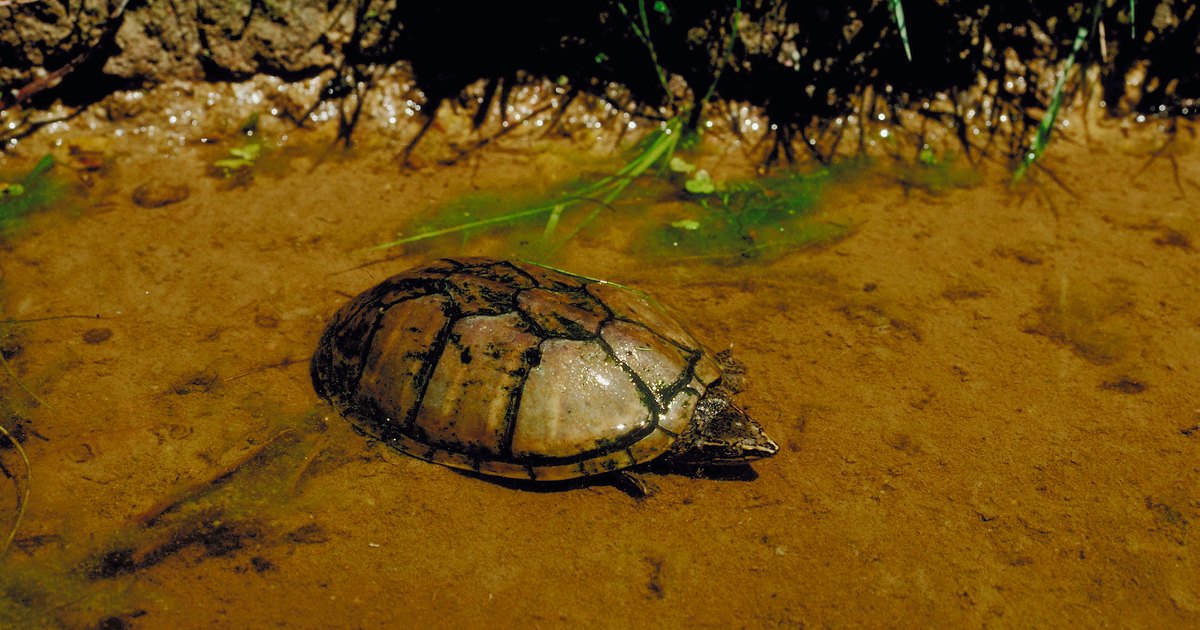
(988, 403)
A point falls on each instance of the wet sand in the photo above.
(986, 400)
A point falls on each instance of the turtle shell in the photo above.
(512, 369)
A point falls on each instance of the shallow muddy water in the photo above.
(986, 399)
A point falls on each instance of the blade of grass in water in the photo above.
(898, 15)
(1132, 20)
(1046, 126)
(659, 149)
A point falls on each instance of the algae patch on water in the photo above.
(22, 194)
(935, 174)
(663, 205)
(749, 218)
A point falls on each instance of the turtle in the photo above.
(511, 369)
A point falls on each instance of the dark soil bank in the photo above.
(798, 60)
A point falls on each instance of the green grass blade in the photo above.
(643, 34)
(898, 15)
(42, 167)
(552, 222)
(462, 227)
(1046, 125)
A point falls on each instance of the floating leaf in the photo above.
(700, 184)
(248, 152)
(242, 157)
(11, 190)
(679, 165)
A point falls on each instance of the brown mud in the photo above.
(986, 400)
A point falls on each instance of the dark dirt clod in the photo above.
(215, 539)
(261, 564)
(159, 194)
(1124, 385)
(113, 564)
(97, 335)
(309, 534)
(200, 382)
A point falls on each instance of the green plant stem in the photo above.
(643, 34)
(660, 150)
(1046, 126)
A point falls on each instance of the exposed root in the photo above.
(1053, 177)
(52, 79)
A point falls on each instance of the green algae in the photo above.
(22, 194)
(750, 218)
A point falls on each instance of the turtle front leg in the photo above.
(733, 371)
(634, 484)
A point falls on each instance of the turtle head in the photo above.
(721, 433)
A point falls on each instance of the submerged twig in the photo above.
(9, 371)
(48, 318)
(23, 497)
(285, 363)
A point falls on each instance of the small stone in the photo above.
(157, 194)
(97, 335)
